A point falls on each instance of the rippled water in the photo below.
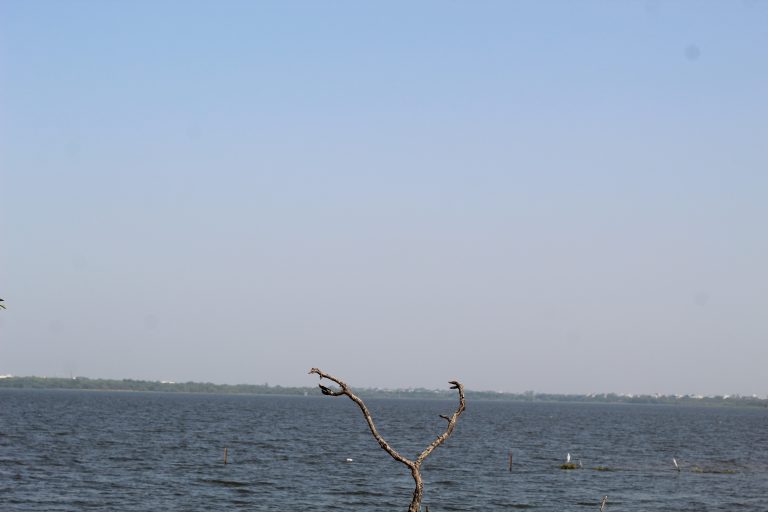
(72, 450)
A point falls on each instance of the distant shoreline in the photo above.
(88, 384)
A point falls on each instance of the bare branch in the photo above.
(346, 391)
(451, 424)
(414, 466)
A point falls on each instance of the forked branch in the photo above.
(413, 465)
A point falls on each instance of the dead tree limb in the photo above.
(413, 465)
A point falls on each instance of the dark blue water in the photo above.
(71, 451)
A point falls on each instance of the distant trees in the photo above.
(85, 383)
(413, 465)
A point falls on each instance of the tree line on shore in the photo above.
(85, 383)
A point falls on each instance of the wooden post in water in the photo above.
(225, 455)
(602, 504)
(510, 461)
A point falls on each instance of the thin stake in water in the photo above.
(602, 503)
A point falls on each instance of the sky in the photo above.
(564, 197)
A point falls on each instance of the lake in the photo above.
(75, 450)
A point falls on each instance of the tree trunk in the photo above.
(418, 492)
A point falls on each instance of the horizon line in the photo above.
(532, 393)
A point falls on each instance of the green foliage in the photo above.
(415, 393)
(85, 383)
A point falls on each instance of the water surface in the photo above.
(75, 450)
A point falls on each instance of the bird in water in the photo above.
(568, 458)
(674, 461)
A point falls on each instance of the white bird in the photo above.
(349, 460)
(675, 463)
(568, 458)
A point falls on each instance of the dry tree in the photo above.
(413, 465)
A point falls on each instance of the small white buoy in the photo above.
(349, 460)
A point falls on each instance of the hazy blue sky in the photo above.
(555, 196)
